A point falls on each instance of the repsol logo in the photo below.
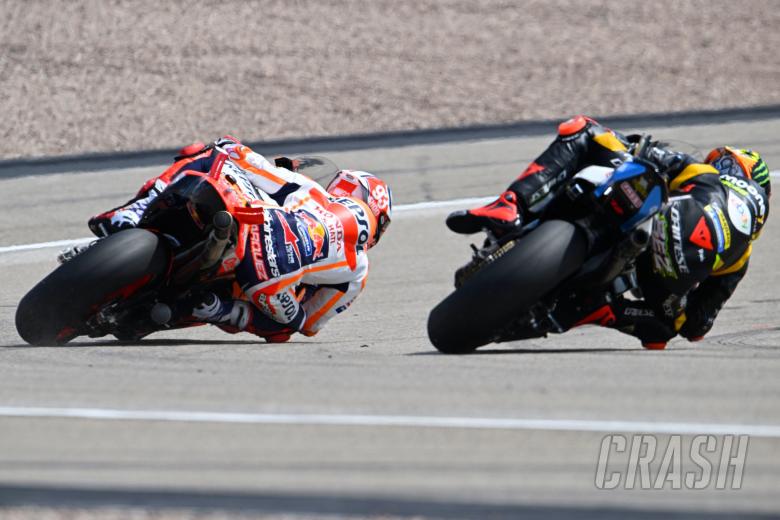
(361, 218)
(288, 306)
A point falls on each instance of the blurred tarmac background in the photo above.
(100, 76)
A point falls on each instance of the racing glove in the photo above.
(697, 324)
(668, 160)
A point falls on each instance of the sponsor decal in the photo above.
(631, 194)
(545, 188)
(289, 307)
(701, 235)
(270, 254)
(256, 251)
(238, 177)
(261, 300)
(306, 241)
(638, 312)
(290, 241)
(334, 228)
(722, 231)
(724, 224)
(734, 183)
(379, 199)
(661, 260)
(745, 188)
(316, 232)
(679, 254)
(739, 214)
(360, 217)
(671, 304)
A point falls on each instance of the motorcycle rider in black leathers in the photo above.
(701, 240)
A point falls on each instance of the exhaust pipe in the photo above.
(218, 239)
(213, 249)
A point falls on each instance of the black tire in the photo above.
(471, 315)
(55, 310)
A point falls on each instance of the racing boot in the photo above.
(233, 316)
(500, 216)
(127, 216)
(635, 318)
(68, 254)
(211, 309)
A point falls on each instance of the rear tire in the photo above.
(55, 310)
(472, 315)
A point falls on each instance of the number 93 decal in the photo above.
(380, 196)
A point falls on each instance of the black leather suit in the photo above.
(701, 241)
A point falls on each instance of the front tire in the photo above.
(472, 315)
(56, 309)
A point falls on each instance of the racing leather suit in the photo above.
(297, 259)
(701, 241)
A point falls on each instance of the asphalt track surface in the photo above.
(366, 418)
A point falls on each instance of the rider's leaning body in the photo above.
(701, 241)
(301, 251)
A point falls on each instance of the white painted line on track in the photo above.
(45, 245)
(436, 204)
(482, 423)
(401, 208)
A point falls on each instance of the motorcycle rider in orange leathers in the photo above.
(301, 258)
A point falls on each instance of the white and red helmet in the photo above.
(367, 188)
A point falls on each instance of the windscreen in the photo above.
(184, 210)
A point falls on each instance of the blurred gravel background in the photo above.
(103, 75)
